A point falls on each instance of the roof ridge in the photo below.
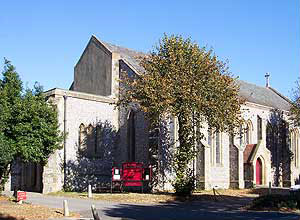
(263, 95)
(249, 91)
(268, 87)
(107, 45)
(126, 48)
(252, 83)
(279, 94)
(99, 41)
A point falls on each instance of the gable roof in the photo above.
(248, 152)
(266, 96)
(130, 56)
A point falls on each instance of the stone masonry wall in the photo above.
(87, 109)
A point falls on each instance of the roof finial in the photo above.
(267, 79)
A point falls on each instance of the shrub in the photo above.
(184, 186)
(275, 201)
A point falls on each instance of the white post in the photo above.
(90, 191)
(66, 209)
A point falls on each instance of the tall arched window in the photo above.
(297, 153)
(131, 136)
(292, 144)
(90, 141)
(248, 133)
(259, 128)
(241, 133)
(209, 142)
(295, 146)
(245, 131)
(214, 140)
(82, 137)
(218, 147)
(209, 137)
(98, 141)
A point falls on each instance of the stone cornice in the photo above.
(262, 107)
(79, 95)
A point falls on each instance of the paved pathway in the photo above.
(199, 210)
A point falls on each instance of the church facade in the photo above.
(100, 136)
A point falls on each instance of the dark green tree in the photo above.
(29, 127)
(6, 157)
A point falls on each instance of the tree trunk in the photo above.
(184, 183)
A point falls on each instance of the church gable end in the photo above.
(93, 72)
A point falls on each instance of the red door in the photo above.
(258, 172)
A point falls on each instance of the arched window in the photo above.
(241, 133)
(259, 128)
(295, 146)
(218, 147)
(209, 142)
(131, 136)
(209, 137)
(245, 132)
(292, 144)
(90, 141)
(297, 153)
(82, 137)
(248, 132)
(214, 140)
(98, 141)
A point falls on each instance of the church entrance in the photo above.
(31, 177)
(258, 172)
(234, 166)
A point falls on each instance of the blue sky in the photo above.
(44, 39)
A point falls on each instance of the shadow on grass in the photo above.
(265, 191)
(8, 217)
(201, 207)
(240, 201)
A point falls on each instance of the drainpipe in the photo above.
(65, 139)
(194, 147)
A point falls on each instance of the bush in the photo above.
(184, 184)
(275, 201)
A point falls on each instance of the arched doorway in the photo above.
(258, 171)
(31, 177)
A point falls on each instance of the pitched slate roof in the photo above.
(266, 96)
(248, 152)
(262, 95)
(130, 56)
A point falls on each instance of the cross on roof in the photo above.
(267, 79)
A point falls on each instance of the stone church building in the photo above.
(99, 136)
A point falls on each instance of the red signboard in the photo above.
(21, 195)
(131, 174)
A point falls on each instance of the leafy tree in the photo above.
(190, 83)
(28, 124)
(295, 108)
(6, 156)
